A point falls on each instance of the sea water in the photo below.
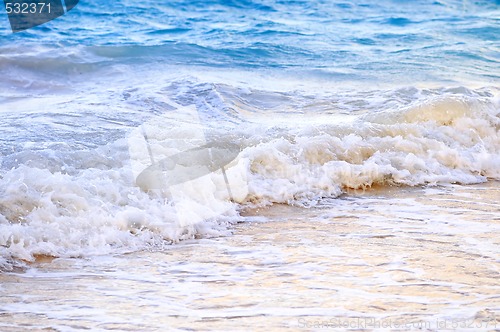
(222, 164)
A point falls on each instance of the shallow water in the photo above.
(390, 258)
(251, 165)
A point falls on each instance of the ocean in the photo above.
(251, 165)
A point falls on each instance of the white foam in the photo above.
(63, 202)
(440, 141)
(92, 212)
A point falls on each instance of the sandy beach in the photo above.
(402, 259)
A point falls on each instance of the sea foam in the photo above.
(57, 202)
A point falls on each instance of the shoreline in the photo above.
(359, 260)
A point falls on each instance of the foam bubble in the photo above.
(59, 201)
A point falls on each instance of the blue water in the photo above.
(377, 41)
(331, 111)
(321, 97)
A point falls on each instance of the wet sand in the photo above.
(394, 259)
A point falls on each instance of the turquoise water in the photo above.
(251, 165)
(380, 42)
(320, 97)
